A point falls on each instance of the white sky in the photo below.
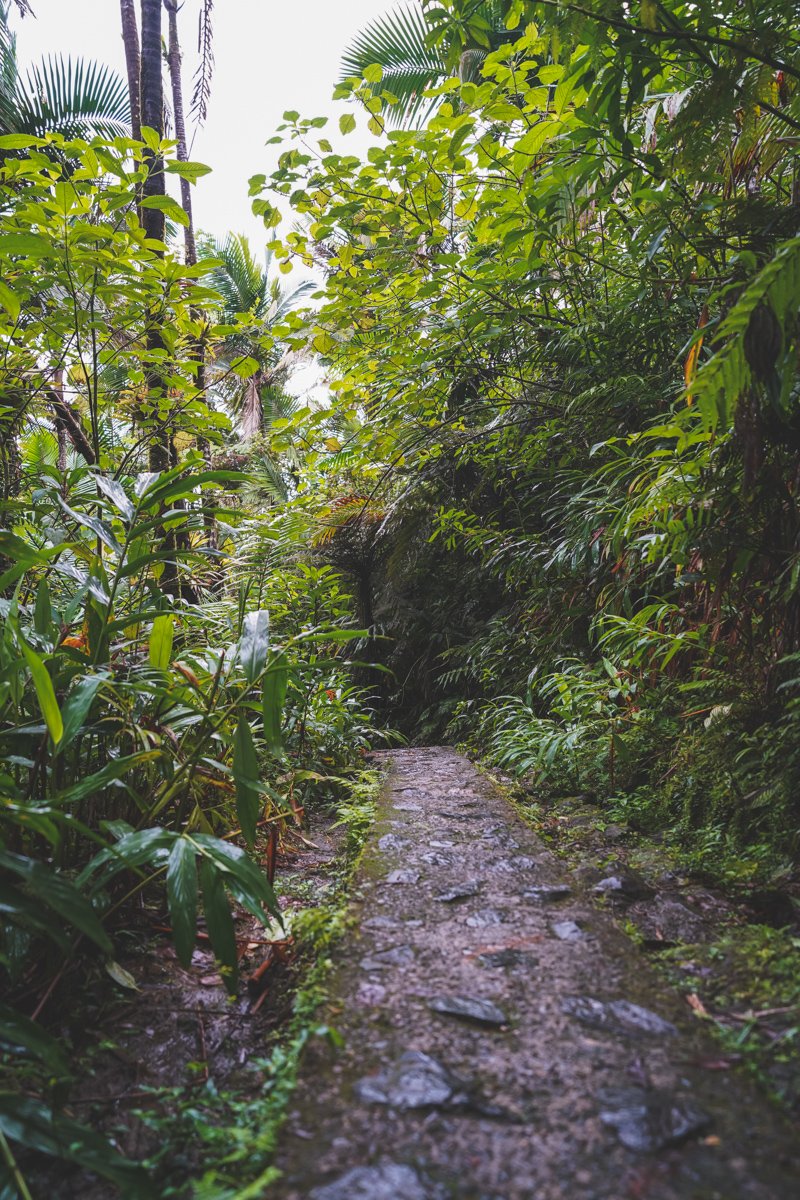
(271, 56)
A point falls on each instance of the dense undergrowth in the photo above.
(565, 311)
(550, 509)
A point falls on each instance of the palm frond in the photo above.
(205, 48)
(238, 277)
(8, 75)
(398, 43)
(75, 98)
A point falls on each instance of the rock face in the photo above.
(481, 1056)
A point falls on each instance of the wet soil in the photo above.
(141, 1054)
(502, 1038)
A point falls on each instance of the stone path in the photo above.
(503, 1040)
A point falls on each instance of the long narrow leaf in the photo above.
(245, 773)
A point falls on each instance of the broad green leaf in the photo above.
(121, 976)
(188, 170)
(19, 141)
(131, 850)
(254, 644)
(10, 301)
(248, 882)
(75, 708)
(219, 921)
(31, 245)
(273, 699)
(98, 527)
(116, 494)
(347, 123)
(17, 1030)
(59, 894)
(37, 1127)
(246, 775)
(161, 638)
(171, 208)
(182, 897)
(45, 693)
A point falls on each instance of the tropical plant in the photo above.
(74, 99)
(417, 49)
(253, 303)
(578, 381)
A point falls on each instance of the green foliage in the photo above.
(152, 716)
(564, 314)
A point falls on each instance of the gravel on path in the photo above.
(502, 1038)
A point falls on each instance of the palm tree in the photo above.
(76, 99)
(258, 302)
(416, 55)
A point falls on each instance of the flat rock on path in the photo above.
(555, 1068)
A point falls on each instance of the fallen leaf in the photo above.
(121, 976)
(694, 1001)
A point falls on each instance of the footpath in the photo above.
(502, 1039)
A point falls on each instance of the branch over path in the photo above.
(503, 1040)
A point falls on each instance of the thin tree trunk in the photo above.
(174, 60)
(190, 244)
(152, 113)
(153, 218)
(130, 38)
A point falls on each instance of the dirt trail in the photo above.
(502, 1038)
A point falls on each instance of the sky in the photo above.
(271, 57)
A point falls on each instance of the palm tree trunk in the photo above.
(174, 61)
(130, 38)
(152, 96)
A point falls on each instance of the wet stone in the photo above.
(383, 960)
(416, 1080)
(487, 916)
(392, 1181)
(435, 858)
(663, 922)
(371, 994)
(624, 886)
(390, 841)
(460, 816)
(469, 1008)
(567, 931)
(617, 1016)
(403, 876)
(547, 894)
(380, 923)
(462, 892)
(649, 1121)
(508, 957)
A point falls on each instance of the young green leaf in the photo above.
(75, 708)
(161, 638)
(45, 693)
(246, 772)
(219, 921)
(273, 699)
(254, 644)
(182, 897)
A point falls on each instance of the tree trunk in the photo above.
(130, 38)
(174, 60)
(153, 218)
(152, 113)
